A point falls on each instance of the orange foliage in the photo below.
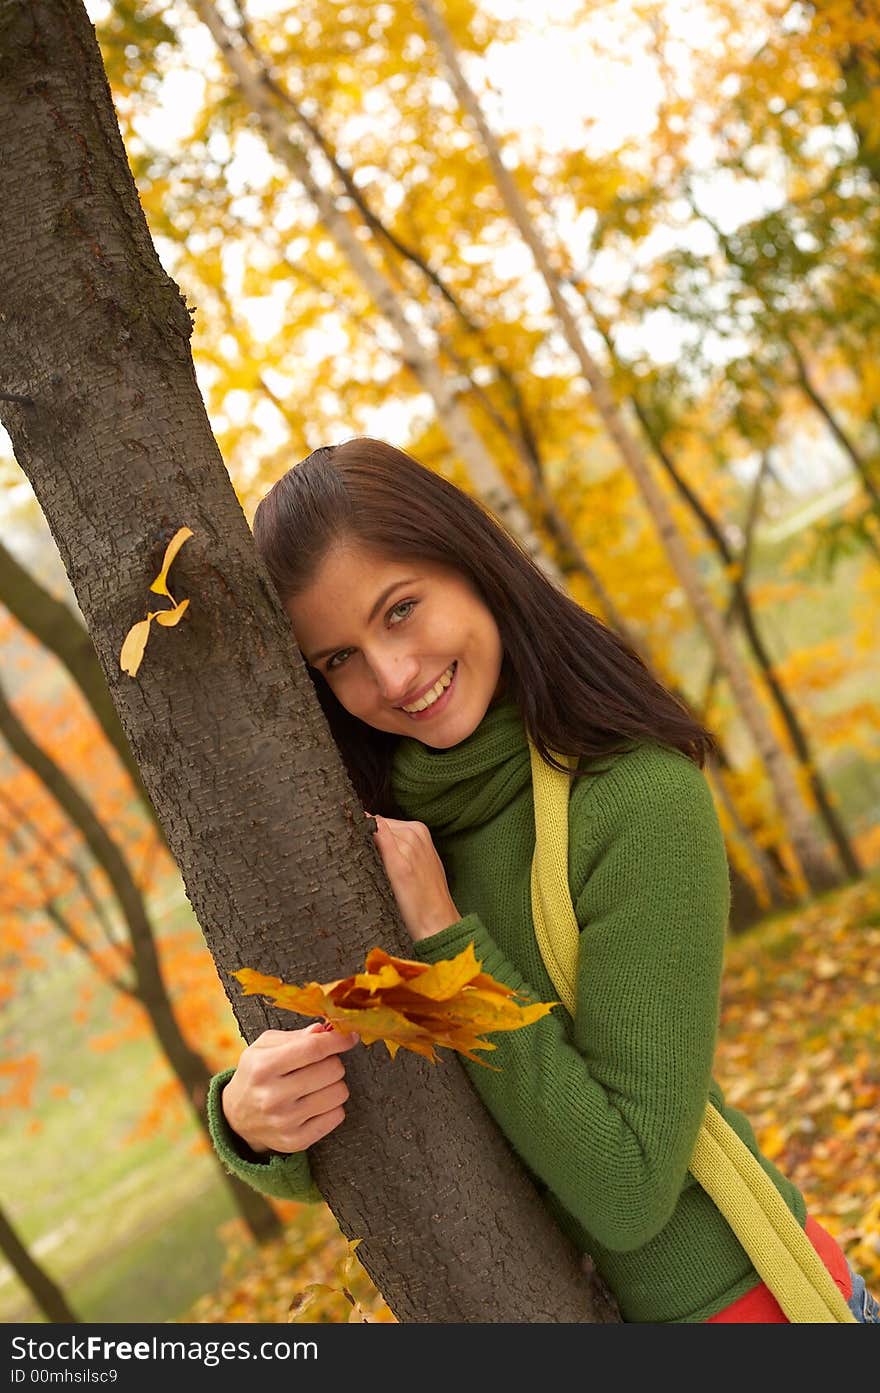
(409, 1005)
(167, 1097)
(21, 1075)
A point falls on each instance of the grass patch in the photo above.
(128, 1229)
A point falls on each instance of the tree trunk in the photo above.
(807, 849)
(187, 1065)
(222, 717)
(46, 1294)
(57, 628)
(858, 67)
(861, 465)
(740, 607)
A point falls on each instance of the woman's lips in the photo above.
(436, 706)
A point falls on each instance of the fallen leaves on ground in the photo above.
(409, 1005)
(309, 1274)
(797, 1053)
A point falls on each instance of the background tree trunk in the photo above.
(222, 718)
(55, 625)
(187, 1065)
(47, 1294)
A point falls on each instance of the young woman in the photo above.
(436, 646)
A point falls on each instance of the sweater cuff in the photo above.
(283, 1177)
(454, 939)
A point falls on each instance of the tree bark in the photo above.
(222, 717)
(807, 849)
(47, 1295)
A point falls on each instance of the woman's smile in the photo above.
(434, 703)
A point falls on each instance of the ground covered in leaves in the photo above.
(798, 1053)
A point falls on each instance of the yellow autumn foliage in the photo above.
(409, 1005)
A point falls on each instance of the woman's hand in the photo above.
(416, 875)
(288, 1090)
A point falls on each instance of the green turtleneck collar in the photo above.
(465, 786)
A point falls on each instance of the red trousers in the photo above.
(759, 1306)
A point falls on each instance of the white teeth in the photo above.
(432, 694)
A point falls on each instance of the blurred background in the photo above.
(489, 233)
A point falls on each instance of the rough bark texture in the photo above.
(231, 742)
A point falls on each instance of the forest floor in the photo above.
(144, 1230)
(797, 1053)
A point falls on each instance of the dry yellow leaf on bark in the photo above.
(133, 647)
(170, 617)
(135, 642)
(160, 584)
(409, 1005)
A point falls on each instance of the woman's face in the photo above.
(383, 633)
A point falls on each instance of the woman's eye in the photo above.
(408, 605)
(401, 604)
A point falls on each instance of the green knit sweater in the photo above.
(603, 1110)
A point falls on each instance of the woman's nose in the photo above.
(395, 677)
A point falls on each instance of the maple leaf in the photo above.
(409, 1005)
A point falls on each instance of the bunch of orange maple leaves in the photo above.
(409, 1005)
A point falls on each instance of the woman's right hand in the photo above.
(288, 1090)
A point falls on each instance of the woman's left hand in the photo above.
(416, 875)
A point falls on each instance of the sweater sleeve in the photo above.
(605, 1110)
(278, 1176)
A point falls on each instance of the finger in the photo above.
(271, 1039)
(323, 1100)
(325, 1039)
(330, 1027)
(393, 832)
(319, 1127)
(312, 1078)
(404, 826)
(285, 1050)
(289, 1132)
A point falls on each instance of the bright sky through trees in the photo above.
(577, 75)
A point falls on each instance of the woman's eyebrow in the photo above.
(389, 590)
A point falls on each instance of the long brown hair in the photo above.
(579, 688)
